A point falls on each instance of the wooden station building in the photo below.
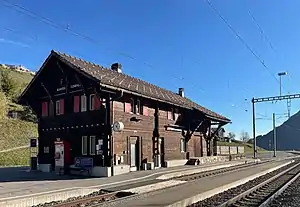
(113, 119)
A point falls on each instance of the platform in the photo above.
(187, 190)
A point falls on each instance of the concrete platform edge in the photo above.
(202, 196)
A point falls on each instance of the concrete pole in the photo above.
(274, 135)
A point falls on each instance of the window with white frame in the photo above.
(57, 107)
(182, 145)
(139, 109)
(84, 145)
(92, 102)
(92, 145)
(132, 105)
(83, 103)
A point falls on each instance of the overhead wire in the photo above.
(247, 46)
(66, 28)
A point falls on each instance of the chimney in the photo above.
(181, 92)
(117, 67)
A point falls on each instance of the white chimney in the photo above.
(117, 67)
(181, 92)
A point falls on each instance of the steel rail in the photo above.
(259, 186)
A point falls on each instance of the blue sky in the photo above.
(171, 43)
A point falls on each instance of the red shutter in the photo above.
(76, 104)
(44, 108)
(61, 106)
(97, 102)
(169, 115)
(127, 107)
(145, 111)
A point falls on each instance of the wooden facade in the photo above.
(75, 102)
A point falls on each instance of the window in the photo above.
(51, 108)
(83, 103)
(171, 115)
(92, 102)
(129, 107)
(139, 109)
(182, 145)
(132, 105)
(76, 104)
(84, 144)
(59, 107)
(44, 108)
(92, 145)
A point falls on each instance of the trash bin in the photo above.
(33, 163)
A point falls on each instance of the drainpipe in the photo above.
(111, 120)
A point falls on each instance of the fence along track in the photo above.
(265, 192)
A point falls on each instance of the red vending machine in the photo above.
(62, 156)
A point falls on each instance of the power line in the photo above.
(262, 31)
(67, 29)
(56, 25)
(241, 39)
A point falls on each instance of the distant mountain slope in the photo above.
(288, 135)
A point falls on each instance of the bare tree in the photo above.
(231, 135)
(245, 136)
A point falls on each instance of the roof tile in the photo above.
(123, 81)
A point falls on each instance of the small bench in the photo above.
(83, 164)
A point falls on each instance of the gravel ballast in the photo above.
(226, 195)
(290, 197)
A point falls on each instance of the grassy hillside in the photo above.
(14, 132)
(16, 157)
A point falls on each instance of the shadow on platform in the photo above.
(18, 174)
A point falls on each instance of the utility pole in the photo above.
(274, 135)
(253, 124)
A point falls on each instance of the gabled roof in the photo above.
(116, 80)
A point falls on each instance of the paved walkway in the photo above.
(180, 192)
(19, 182)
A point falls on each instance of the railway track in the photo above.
(118, 194)
(263, 194)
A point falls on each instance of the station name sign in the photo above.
(71, 87)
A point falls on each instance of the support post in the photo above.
(274, 135)
(280, 85)
(253, 124)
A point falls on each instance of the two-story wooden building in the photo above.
(78, 102)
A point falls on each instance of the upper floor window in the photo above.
(139, 108)
(59, 107)
(83, 103)
(171, 115)
(44, 108)
(129, 107)
(92, 102)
